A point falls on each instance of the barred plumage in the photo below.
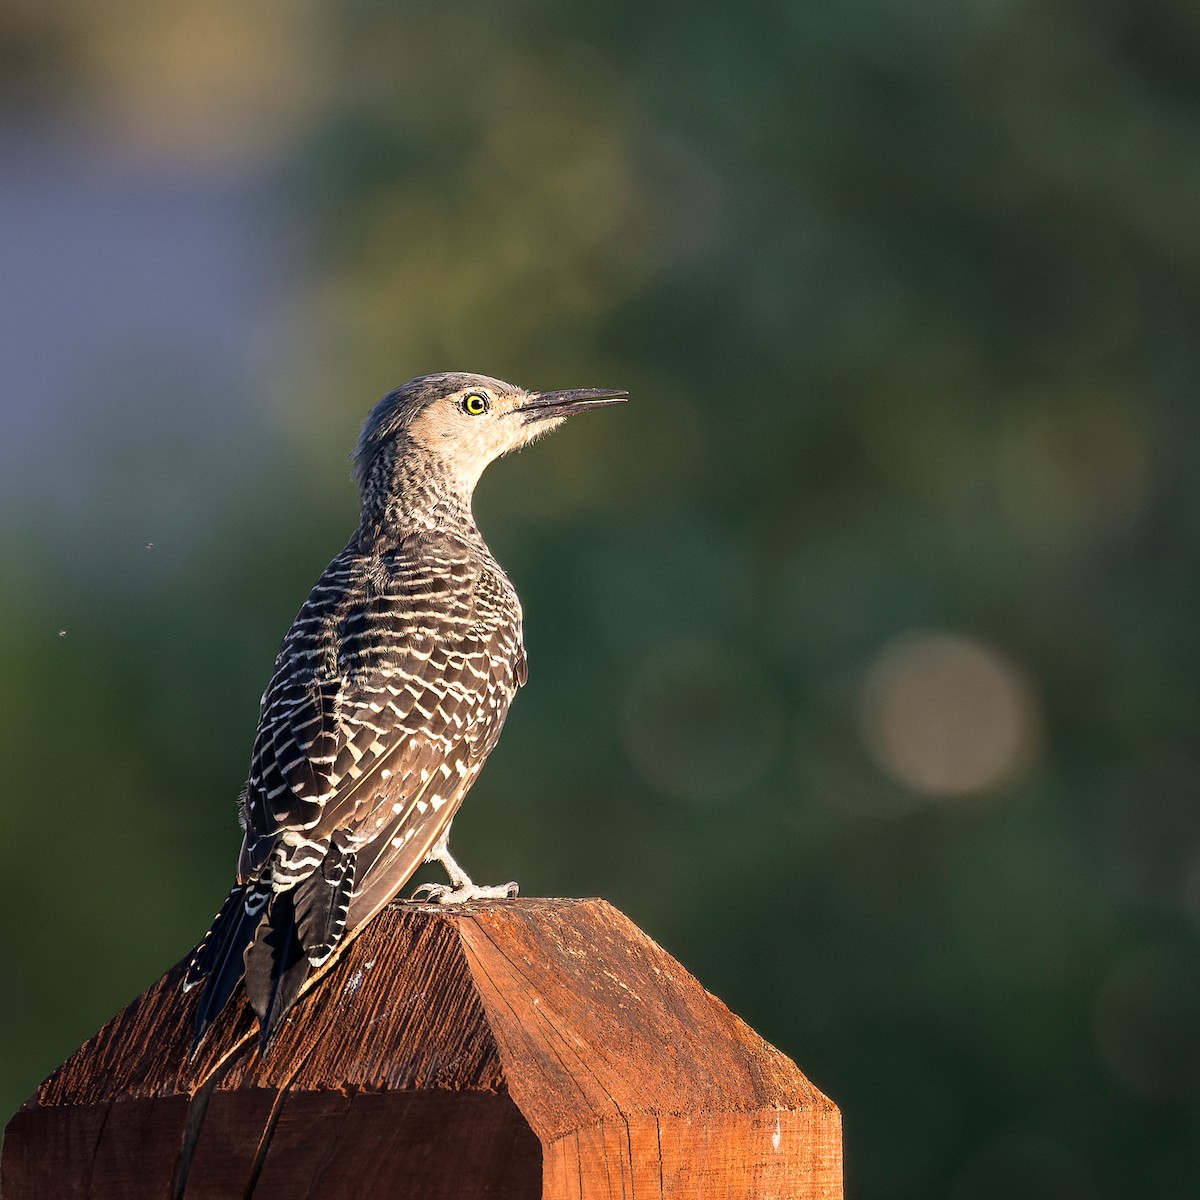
(388, 693)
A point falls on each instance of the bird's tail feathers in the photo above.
(276, 966)
(303, 927)
(217, 961)
(322, 906)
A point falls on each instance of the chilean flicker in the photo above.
(389, 692)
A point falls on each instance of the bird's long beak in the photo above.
(542, 406)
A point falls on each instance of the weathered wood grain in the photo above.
(526, 1048)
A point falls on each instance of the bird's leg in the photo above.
(460, 889)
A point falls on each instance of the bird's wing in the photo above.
(389, 690)
(415, 817)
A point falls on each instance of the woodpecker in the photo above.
(387, 695)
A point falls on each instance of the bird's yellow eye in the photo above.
(475, 405)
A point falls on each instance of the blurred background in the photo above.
(863, 642)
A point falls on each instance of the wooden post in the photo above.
(513, 1049)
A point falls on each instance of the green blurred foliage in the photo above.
(907, 300)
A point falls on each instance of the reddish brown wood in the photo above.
(523, 1048)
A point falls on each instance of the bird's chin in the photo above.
(538, 429)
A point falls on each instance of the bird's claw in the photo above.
(443, 893)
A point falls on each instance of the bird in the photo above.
(386, 697)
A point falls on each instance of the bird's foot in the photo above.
(444, 893)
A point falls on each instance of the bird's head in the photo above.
(458, 424)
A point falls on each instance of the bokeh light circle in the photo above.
(947, 715)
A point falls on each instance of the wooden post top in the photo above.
(514, 1048)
